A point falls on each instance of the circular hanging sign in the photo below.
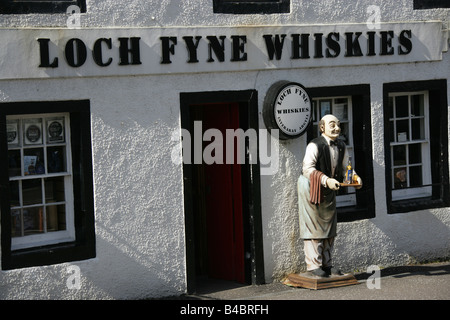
(287, 107)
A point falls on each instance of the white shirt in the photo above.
(311, 155)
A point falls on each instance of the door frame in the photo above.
(248, 99)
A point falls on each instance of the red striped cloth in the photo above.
(315, 187)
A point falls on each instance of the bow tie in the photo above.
(333, 143)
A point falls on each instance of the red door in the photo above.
(223, 201)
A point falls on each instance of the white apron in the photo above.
(316, 221)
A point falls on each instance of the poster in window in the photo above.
(325, 108)
(29, 165)
(32, 131)
(55, 130)
(12, 132)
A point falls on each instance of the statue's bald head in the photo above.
(330, 126)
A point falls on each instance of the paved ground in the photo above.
(418, 282)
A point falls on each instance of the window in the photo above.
(45, 164)
(350, 104)
(40, 180)
(341, 107)
(416, 133)
(431, 4)
(251, 6)
(39, 6)
(409, 143)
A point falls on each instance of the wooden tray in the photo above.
(349, 184)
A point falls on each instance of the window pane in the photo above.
(16, 223)
(401, 106)
(31, 192)
(33, 161)
(344, 133)
(314, 114)
(402, 130)
(340, 109)
(56, 160)
(54, 189)
(417, 129)
(325, 108)
(391, 107)
(391, 131)
(14, 187)
(341, 100)
(32, 129)
(399, 154)
(415, 176)
(33, 221)
(12, 132)
(400, 178)
(56, 218)
(415, 153)
(55, 130)
(417, 105)
(14, 163)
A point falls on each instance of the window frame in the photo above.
(251, 6)
(46, 6)
(83, 246)
(438, 146)
(362, 147)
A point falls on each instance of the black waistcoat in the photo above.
(324, 159)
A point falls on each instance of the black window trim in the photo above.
(362, 144)
(252, 7)
(53, 6)
(430, 4)
(438, 110)
(84, 245)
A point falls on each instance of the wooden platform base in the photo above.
(310, 281)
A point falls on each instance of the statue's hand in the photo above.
(359, 180)
(333, 184)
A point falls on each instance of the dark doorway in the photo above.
(222, 199)
(217, 199)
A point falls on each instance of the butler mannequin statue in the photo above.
(324, 166)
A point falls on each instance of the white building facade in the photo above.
(118, 178)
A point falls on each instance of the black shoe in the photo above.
(319, 272)
(332, 271)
